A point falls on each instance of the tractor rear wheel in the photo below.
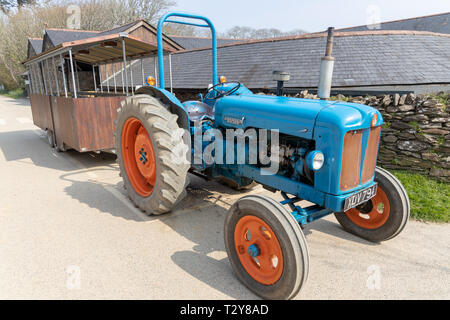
(266, 247)
(384, 216)
(152, 154)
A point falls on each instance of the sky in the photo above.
(309, 15)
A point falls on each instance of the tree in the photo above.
(238, 32)
(16, 26)
(7, 5)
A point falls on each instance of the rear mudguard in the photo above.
(171, 102)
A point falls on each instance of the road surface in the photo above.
(68, 231)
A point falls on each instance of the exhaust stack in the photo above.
(326, 68)
(281, 77)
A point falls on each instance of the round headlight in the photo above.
(315, 160)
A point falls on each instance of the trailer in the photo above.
(74, 94)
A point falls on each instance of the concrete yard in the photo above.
(68, 231)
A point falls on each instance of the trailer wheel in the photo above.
(51, 138)
(384, 216)
(149, 152)
(266, 247)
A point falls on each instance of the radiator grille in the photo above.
(370, 160)
(351, 160)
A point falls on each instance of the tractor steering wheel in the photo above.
(221, 94)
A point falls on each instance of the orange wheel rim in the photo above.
(138, 157)
(373, 214)
(259, 250)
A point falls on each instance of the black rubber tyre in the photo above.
(51, 138)
(171, 177)
(290, 238)
(398, 215)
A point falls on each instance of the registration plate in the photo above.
(360, 197)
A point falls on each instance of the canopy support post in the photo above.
(63, 74)
(95, 79)
(56, 76)
(131, 77)
(125, 64)
(170, 71)
(43, 77)
(107, 76)
(143, 72)
(156, 69)
(49, 77)
(114, 75)
(73, 75)
(100, 77)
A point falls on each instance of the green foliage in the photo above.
(429, 198)
(444, 99)
(340, 97)
(415, 125)
(15, 94)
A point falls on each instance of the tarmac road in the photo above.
(67, 231)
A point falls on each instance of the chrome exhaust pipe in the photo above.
(326, 68)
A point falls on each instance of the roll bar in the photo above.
(208, 24)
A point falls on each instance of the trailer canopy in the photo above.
(104, 49)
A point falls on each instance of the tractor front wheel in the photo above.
(266, 247)
(384, 216)
(152, 154)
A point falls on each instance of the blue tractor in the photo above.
(324, 152)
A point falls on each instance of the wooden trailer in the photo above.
(67, 93)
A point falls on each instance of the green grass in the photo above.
(15, 94)
(430, 199)
(443, 98)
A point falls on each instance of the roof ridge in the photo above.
(398, 20)
(324, 34)
(123, 25)
(73, 30)
(35, 39)
(209, 38)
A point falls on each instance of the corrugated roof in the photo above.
(362, 59)
(439, 23)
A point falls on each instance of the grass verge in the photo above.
(15, 94)
(430, 199)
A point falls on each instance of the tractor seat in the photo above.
(197, 110)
